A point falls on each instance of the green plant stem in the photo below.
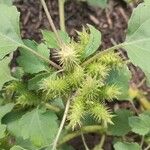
(142, 142)
(102, 141)
(51, 22)
(53, 108)
(62, 124)
(147, 148)
(62, 14)
(84, 142)
(42, 57)
(96, 56)
(84, 130)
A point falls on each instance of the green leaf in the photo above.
(5, 109)
(64, 147)
(50, 38)
(94, 42)
(17, 148)
(126, 146)
(18, 73)
(99, 3)
(9, 30)
(121, 78)
(137, 42)
(12, 121)
(141, 124)
(121, 125)
(6, 2)
(31, 63)
(5, 75)
(39, 127)
(34, 83)
(2, 131)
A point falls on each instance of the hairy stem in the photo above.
(53, 108)
(96, 56)
(41, 57)
(102, 141)
(84, 142)
(142, 141)
(84, 130)
(148, 147)
(62, 14)
(61, 125)
(51, 22)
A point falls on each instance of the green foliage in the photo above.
(89, 42)
(9, 30)
(97, 3)
(5, 75)
(51, 40)
(30, 63)
(121, 125)
(126, 146)
(141, 124)
(39, 127)
(137, 41)
(121, 78)
(3, 111)
(7, 2)
(17, 148)
(34, 93)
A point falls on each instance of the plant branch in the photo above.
(147, 148)
(84, 130)
(62, 14)
(102, 141)
(96, 56)
(42, 57)
(84, 142)
(53, 108)
(142, 142)
(51, 22)
(62, 124)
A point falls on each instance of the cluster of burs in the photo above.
(84, 83)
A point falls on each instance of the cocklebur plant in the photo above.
(81, 84)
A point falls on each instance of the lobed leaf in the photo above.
(94, 42)
(10, 38)
(121, 125)
(17, 148)
(31, 63)
(99, 3)
(137, 42)
(50, 38)
(121, 77)
(39, 127)
(2, 131)
(5, 74)
(141, 124)
(6, 2)
(126, 146)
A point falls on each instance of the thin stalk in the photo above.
(53, 108)
(62, 14)
(51, 22)
(134, 107)
(84, 142)
(96, 56)
(102, 141)
(42, 57)
(85, 130)
(147, 148)
(142, 142)
(61, 125)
